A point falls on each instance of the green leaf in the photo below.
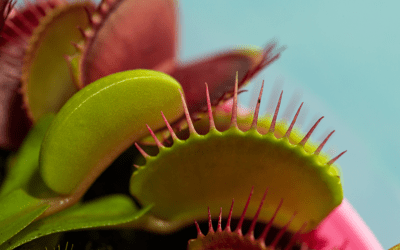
(46, 80)
(26, 162)
(108, 211)
(18, 209)
(101, 121)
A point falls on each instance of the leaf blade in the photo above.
(18, 209)
(108, 211)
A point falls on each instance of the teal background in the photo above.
(343, 58)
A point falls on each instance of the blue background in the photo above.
(343, 58)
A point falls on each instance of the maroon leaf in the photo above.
(127, 35)
(219, 72)
(14, 37)
(5, 9)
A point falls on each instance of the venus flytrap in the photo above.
(87, 118)
(34, 78)
(230, 161)
(102, 121)
(45, 226)
(237, 239)
(26, 46)
(95, 126)
(143, 36)
(45, 77)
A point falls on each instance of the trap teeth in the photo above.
(228, 239)
(234, 121)
(206, 169)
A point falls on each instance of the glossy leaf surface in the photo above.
(102, 120)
